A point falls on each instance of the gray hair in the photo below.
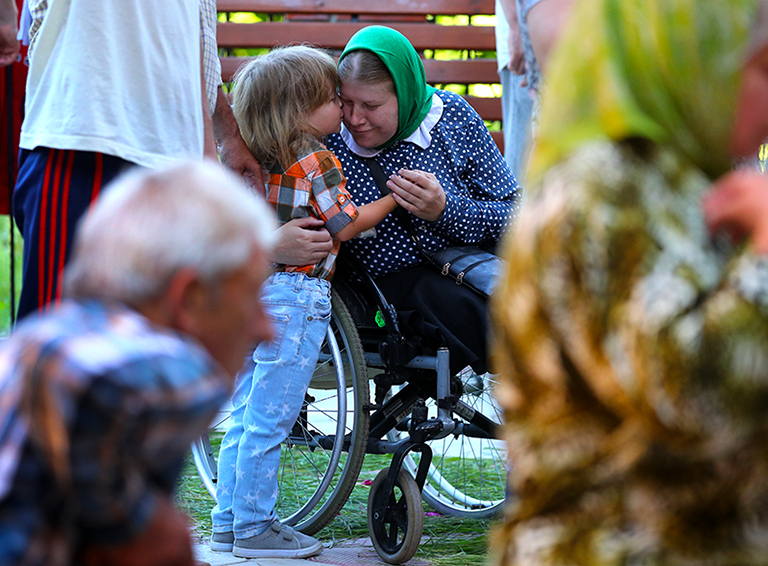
(148, 225)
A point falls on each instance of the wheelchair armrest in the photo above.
(356, 287)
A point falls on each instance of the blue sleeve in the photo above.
(483, 196)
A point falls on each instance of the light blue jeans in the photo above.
(517, 113)
(267, 402)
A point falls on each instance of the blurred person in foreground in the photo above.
(101, 397)
(9, 19)
(633, 346)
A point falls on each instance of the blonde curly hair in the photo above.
(273, 96)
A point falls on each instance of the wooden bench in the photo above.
(330, 24)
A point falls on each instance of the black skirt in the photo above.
(444, 313)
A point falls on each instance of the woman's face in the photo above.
(750, 127)
(370, 112)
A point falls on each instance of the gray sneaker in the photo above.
(278, 541)
(222, 542)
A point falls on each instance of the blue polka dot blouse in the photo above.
(482, 195)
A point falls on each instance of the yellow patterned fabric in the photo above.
(667, 70)
(632, 351)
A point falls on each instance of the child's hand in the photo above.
(738, 206)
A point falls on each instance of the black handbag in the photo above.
(468, 265)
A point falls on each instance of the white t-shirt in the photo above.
(121, 77)
(502, 38)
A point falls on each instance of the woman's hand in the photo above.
(303, 241)
(738, 206)
(418, 192)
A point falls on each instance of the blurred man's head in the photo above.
(187, 246)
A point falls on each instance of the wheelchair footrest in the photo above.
(426, 430)
(326, 442)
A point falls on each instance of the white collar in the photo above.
(421, 137)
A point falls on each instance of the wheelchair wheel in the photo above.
(468, 474)
(396, 534)
(317, 472)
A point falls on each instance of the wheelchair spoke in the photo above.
(467, 476)
(332, 417)
(392, 534)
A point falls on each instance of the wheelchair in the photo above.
(442, 431)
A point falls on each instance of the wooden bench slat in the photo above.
(440, 7)
(488, 108)
(336, 35)
(330, 24)
(498, 137)
(475, 71)
(465, 71)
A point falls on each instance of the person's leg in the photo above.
(300, 309)
(460, 315)
(517, 112)
(222, 515)
(54, 188)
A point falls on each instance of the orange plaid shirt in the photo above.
(312, 186)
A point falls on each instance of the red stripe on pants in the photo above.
(98, 169)
(55, 214)
(43, 231)
(64, 216)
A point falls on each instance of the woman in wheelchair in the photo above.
(444, 170)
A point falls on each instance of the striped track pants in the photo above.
(54, 189)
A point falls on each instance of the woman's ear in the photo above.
(750, 126)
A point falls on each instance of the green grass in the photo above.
(448, 541)
(5, 273)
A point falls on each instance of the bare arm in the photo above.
(209, 147)
(546, 22)
(368, 216)
(9, 45)
(517, 61)
(232, 149)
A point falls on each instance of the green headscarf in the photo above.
(414, 95)
(665, 70)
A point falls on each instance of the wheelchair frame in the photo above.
(365, 333)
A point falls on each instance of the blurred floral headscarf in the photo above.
(631, 350)
(647, 68)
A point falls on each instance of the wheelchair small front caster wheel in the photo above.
(397, 533)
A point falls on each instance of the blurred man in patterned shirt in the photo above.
(100, 398)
